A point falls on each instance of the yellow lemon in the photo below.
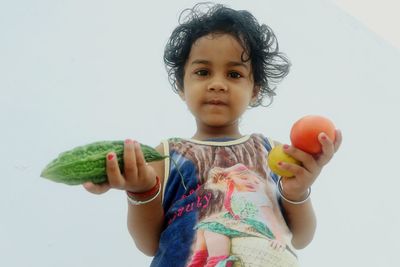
(277, 155)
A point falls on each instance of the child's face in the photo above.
(218, 86)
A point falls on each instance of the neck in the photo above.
(204, 133)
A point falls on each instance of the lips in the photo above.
(217, 102)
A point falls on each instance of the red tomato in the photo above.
(305, 131)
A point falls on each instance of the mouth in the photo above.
(216, 102)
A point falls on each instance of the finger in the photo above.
(115, 178)
(306, 159)
(130, 169)
(140, 161)
(328, 149)
(295, 169)
(144, 170)
(96, 188)
(338, 139)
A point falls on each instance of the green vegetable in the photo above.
(88, 163)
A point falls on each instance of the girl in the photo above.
(220, 62)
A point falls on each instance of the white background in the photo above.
(74, 72)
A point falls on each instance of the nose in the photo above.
(218, 85)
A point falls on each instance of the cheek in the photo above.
(242, 102)
(191, 102)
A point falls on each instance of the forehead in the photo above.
(217, 46)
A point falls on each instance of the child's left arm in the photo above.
(300, 217)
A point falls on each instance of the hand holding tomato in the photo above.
(314, 142)
(305, 131)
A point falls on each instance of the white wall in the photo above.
(74, 72)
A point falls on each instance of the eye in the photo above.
(202, 72)
(235, 75)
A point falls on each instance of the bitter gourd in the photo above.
(88, 163)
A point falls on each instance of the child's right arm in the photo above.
(144, 221)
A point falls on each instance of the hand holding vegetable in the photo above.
(88, 163)
(103, 165)
(136, 176)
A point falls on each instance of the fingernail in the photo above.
(110, 156)
(285, 146)
(128, 141)
(323, 137)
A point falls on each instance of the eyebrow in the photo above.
(230, 63)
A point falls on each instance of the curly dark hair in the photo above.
(269, 66)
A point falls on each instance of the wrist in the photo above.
(141, 197)
(143, 188)
(293, 198)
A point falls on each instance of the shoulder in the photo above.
(162, 167)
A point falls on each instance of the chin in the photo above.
(217, 123)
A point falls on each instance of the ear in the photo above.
(181, 94)
(180, 88)
(256, 90)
